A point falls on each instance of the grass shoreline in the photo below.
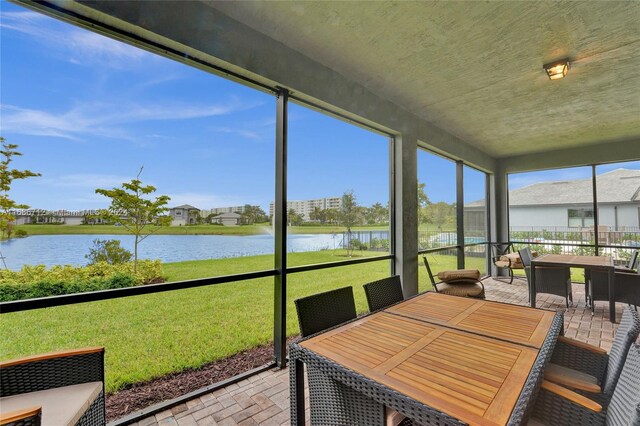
(259, 229)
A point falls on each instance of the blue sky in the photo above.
(88, 111)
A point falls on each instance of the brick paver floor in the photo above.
(264, 398)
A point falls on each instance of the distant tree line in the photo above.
(440, 214)
(358, 215)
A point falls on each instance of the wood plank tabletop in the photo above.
(474, 378)
(571, 260)
(517, 324)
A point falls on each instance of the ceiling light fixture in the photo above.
(558, 69)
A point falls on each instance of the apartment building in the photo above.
(305, 207)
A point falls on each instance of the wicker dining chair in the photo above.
(383, 293)
(325, 310)
(549, 279)
(589, 369)
(559, 406)
(626, 288)
(629, 267)
(332, 402)
(55, 388)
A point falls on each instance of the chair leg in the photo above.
(511, 276)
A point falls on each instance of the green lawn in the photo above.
(263, 228)
(153, 335)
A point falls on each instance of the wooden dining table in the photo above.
(604, 263)
(472, 360)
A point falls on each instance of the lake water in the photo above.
(71, 249)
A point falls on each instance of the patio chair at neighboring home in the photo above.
(462, 282)
(589, 369)
(504, 257)
(559, 406)
(549, 279)
(626, 287)
(383, 293)
(63, 388)
(325, 310)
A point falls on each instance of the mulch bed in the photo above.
(142, 395)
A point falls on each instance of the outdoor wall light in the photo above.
(558, 69)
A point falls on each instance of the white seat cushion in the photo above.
(60, 406)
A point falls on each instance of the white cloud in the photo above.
(103, 119)
(91, 181)
(78, 46)
(251, 130)
(245, 133)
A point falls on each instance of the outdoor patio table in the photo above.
(591, 262)
(433, 368)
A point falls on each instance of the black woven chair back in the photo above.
(525, 255)
(627, 333)
(627, 287)
(633, 260)
(383, 293)
(624, 408)
(325, 310)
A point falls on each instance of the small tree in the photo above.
(7, 176)
(317, 215)
(377, 214)
(195, 215)
(348, 216)
(423, 204)
(331, 215)
(441, 214)
(135, 213)
(294, 218)
(253, 214)
(108, 251)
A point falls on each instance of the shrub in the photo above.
(108, 251)
(356, 244)
(38, 281)
(20, 233)
(47, 288)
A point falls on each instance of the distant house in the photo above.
(57, 217)
(570, 203)
(227, 219)
(184, 215)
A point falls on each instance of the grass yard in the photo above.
(263, 228)
(153, 335)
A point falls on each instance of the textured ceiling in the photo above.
(475, 68)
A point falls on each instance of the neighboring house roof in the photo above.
(228, 216)
(616, 186)
(185, 207)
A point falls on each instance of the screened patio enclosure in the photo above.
(467, 109)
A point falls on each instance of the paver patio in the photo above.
(264, 398)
